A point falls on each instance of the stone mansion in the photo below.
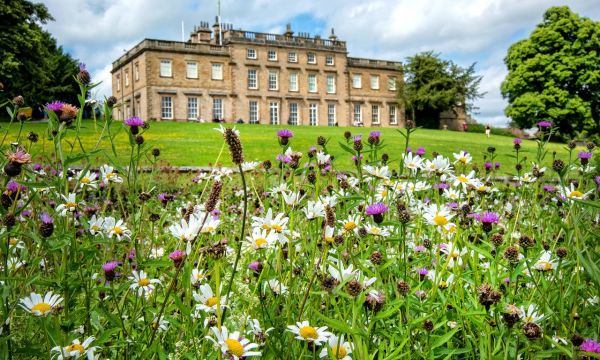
(260, 78)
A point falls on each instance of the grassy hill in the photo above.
(194, 144)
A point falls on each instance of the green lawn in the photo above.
(194, 144)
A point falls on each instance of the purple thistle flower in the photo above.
(376, 209)
(591, 346)
(285, 133)
(55, 106)
(507, 280)
(544, 124)
(584, 155)
(36, 167)
(420, 151)
(131, 255)
(408, 150)
(375, 134)
(134, 121)
(421, 294)
(549, 188)
(420, 248)
(12, 186)
(82, 66)
(26, 213)
(255, 266)
(46, 218)
(488, 165)
(358, 138)
(489, 218)
(517, 141)
(497, 165)
(441, 186)
(354, 158)
(452, 205)
(177, 256)
(597, 180)
(109, 270)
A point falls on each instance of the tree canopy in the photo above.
(554, 75)
(31, 63)
(433, 85)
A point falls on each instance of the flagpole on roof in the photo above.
(219, 22)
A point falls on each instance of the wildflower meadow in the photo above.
(405, 255)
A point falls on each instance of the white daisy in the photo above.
(39, 306)
(207, 301)
(89, 179)
(305, 332)
(115, 228)
(337, 348)
(233, 345)
(69, 205)
(75, 350)
(141, 283)
(109, 175)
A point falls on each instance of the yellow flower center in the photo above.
(375, 231)
(199, 276)
(384, 193)
(440, 220)
(212, 301)
(266, 227)
(309, 332)
(144, 282)
(576, 194)
(276, 227)
(443, 284)
(42, 307)
(117, 230)
(462, 159)
(260, 242)
(110, 175)
(85, 180)
(13, 242)
(75, 347)
(209, 229)
(545, 266)
(234, 347)
(455, 254)
(350, 225)
(95, 227)
(529, 319)
(463, 179)
(329, 239)
(339, 351)
(71, 204)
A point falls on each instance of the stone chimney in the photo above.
(288, 31)
(332, 36)
(201, 33)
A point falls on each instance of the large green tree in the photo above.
(433, 85)
(31, 63)
(555, 75)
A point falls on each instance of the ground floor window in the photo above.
(331, 115)
(253, 112)
(393, 115)
(217, 108)
(357, 114)
(166, 107)
(293, 119)
(274, 113)
(313, 114)
(192, 108)
(375, 114)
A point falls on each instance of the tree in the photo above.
(555, 75)
(31, 63)
(432, 85)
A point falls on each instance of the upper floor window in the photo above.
(356, 81)
(273, 80)
(118, 83)
(292, 57)
(329, 60)
(191, 70)
(375, 82)
(217, 71)
(272, 55)
(330, 83)
(293, 77)
(392, 83)
(252, 79)
(312, 82)
(311, 58)
(127, 77)
(165, 68)
(137, 71)
(251, 53)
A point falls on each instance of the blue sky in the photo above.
(464, 31)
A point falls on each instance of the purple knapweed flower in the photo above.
(584, 155)
(452, 205)
(55, 106)
(46, 218)
(375, 134)
(285, 133)
(12, 186)
(420, 248)
(109, 270)
(549, 188)
(255, 266)
(358, 138)
(420, 151)
(488, 165)
(591, 346)
(376, 210)
(497, 165)
(517, 141)
(177, 256)
(134, 121)
(544, 124)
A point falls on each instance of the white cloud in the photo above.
(97, 31)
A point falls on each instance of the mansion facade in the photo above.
(227, 74)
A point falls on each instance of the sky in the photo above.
(465, 31)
